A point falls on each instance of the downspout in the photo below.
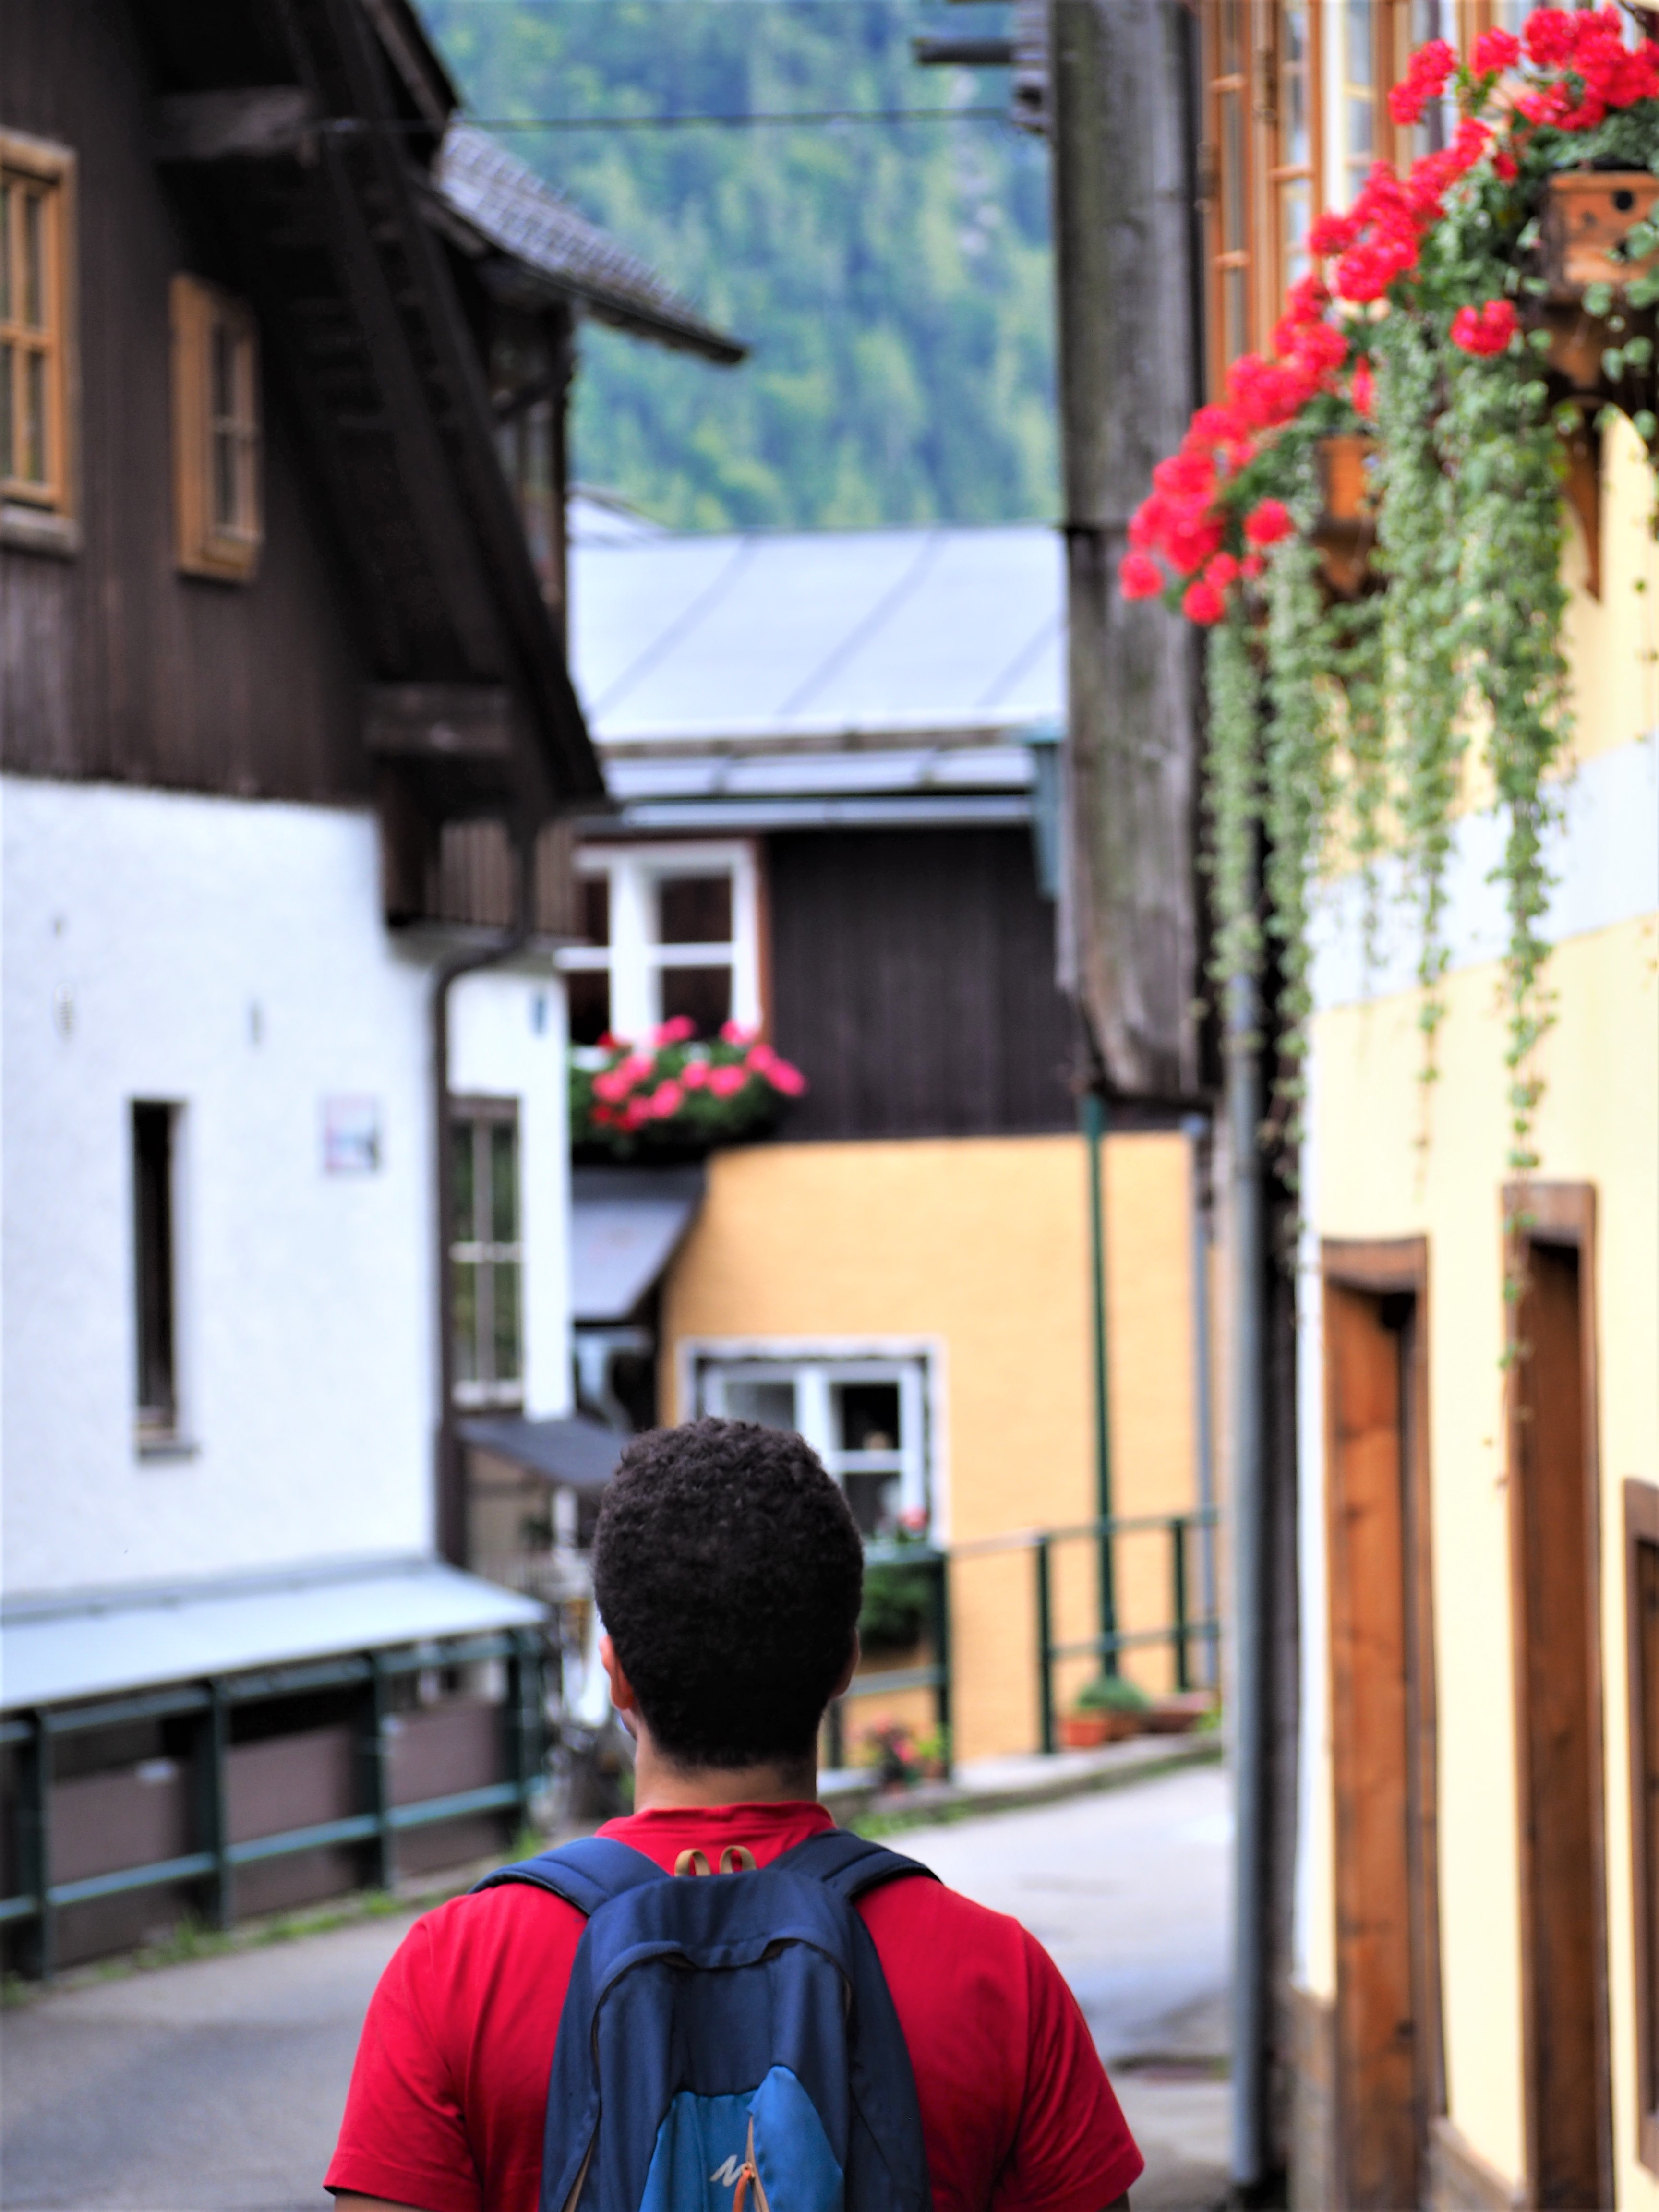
(1197, 1131)
(1252, 1808)
(451, 1482)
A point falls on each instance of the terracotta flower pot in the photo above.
(1086, 1731)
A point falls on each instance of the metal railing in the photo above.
(212, 1867)
(1184, 1633)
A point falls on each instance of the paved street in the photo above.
(219, 2084)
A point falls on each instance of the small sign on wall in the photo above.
(351, 1136)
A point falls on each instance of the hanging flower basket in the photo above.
(1472, 316)
(677, 1096)
(1585, 225)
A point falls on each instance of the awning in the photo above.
(626, 1226)
(578, 1454)
(90, 1643)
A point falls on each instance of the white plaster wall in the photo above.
(507, 1040)
(141, 930)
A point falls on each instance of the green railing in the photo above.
(1185, 1633)
(211, 1868)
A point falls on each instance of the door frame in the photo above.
(1385, 1268)
(1560, 1214)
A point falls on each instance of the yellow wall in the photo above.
(980, 1247)
(1599, 1123)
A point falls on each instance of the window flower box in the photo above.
(676, 1096)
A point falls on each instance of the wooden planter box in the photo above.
(1346, 529)
(1588, 215)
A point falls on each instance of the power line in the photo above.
(734, 122)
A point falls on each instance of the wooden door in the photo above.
(1388, 2085)
(1553, 1534)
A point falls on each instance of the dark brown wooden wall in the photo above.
(913, 982)
(112, 664)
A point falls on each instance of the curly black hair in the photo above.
(728, 1572)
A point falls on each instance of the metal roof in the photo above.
(89, 1643)
(829, 638)
(626, 1224)
(580, 1454)
(561, 250)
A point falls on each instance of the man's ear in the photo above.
(847, 1671)
(621, 1690)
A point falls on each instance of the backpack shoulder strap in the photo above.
(846, 1863)
(586, 1874)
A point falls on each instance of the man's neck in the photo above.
(661, 1786)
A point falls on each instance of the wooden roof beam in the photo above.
(256, 123)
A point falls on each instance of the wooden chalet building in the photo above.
(288, 743)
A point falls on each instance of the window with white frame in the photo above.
(865, 1418)
(672, 930)
(486, 1252)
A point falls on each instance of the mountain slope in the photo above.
(893, 279)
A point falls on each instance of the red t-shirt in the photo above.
(448, 2096)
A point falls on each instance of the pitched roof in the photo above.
(558, 250)
(769, 639)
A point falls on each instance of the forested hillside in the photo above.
(893, 279)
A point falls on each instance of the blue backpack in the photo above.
(728, 2043)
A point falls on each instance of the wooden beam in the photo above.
(258, 123)
(439, 721)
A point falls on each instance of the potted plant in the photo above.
(890, 1749)
(1107, 1709)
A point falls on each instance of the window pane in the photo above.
(224, 480)
(1294, 203)
(505, 1348)
(1295, 145)
(593, 893)
(589, 992)
(1232, 174)
(1358, 28)
(1235, 308)
(702, 995)
(771, 1404)
(34, 418)
(874, 1499)
(34, 261)
(7, 370)
(1230, 43)
(152, 1181)
(694, 910)
(867, 1416)
(503, 1183)
(463, 1227)
(8, 202)
(466, 1322)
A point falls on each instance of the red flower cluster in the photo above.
(1494, 52)
(1425, 79)
(641, 1085)
(1582, 71)
(1488, 329)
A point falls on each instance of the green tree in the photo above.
(893, 279)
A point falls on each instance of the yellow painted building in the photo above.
(1480, 1483)
(966, 1261)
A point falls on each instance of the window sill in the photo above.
(159, 1448)
(34, 530)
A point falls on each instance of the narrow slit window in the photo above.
(217, 432)
(154, 1272)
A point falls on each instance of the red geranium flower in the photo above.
(1138, 576)
(1495, 52)
(1203, 603)
(1267, 524)
(1486, 330)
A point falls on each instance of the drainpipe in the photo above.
(1094, 1131)
(451, 1480)
(1250, 2153)
(1196, 1130)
